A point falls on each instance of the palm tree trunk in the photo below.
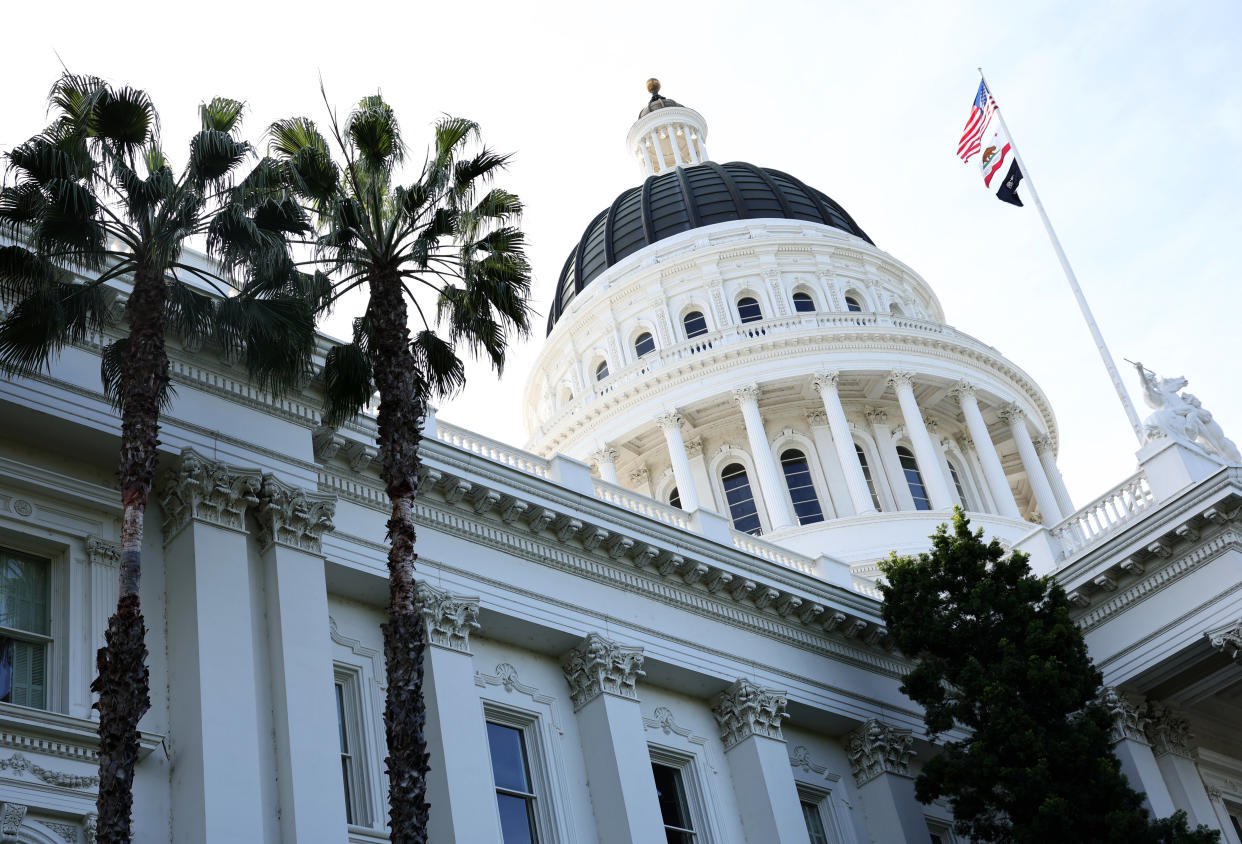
(123, 683)
(402, 409)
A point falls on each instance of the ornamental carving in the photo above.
(1042, 443)
(289, 516)
(598, 666)
(67, 831)
(1168, 732)
(1011, 414)
(102, 552)
(826, 380)
(450, 618)
(19, 764)
(901, 380)
(1182, 416)
(801, 759)
(875, 748)
(694, 447)
(746, 709)
(876, 416)
(817, 416)
(1228, 642)
(90, 828)
(208, 491)
(671, 421)
(11, 817)
(1129, 719)
(963, 391)
(748, 394)
(607, 454)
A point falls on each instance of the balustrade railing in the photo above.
(491, 449)
(641, 504)
(1092, 523)
(772, 553)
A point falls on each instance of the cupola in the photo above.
(667, 134)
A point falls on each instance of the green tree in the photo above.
(95, 208)
(999, 656)
(449, 247)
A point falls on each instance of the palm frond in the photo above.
(297, 142)
(188, 313)
(45, 321)
(450, 134)
(213, 155)
(275, 337)
(123, 118)
(376, 135)
(347, 382)
(500, 205)
(21, 205)
(221, 114)
(23, 272)
(482, 166)
(438, 365)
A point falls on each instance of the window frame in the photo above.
(781, 451)
(737, 308)
(822, 799)
(535, 738)
(748, 471)
(793, 300)
(959, 486)
(693, 778)
(37, 640)
(852, 298)
(361, 795)
(601, 365)
(707, 329)
(868, 467)
(918, 470)
(55, 549)
(638, 337)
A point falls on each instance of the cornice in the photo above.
(41, 733)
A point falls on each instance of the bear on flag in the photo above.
(996, 154)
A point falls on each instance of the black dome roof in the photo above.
(687, 198)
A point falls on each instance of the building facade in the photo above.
(658, 620)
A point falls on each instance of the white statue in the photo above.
(1182, 416)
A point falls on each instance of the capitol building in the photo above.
(656, 619)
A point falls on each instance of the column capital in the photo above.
(876, 415)
(900, 380)
(1012, 414)
(747, 394)
(875, 748)
(598, 666)
(1129, 719)
(292, 517)
(817, 416)
(826, 379)
(1228, 642)
(670, 421)
(931, 424)
(449, 618)
(964, 389)
(1168, 732)
(1042, 443)
(102, 552)
(203, 489)
(607, 454)
(747, 709)
(694, 447)
(640, 475)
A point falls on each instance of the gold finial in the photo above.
(653, 86)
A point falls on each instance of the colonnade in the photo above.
(841, 462)
(662, 140)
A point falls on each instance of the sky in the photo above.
(1128, 116)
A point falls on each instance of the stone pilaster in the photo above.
(875, 748)
(1172, 744)
(597, 666)
(1130, 746)
(879, 756)
(206, 490)
(292, 517)
(746, 709)
(450, 618)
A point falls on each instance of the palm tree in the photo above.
(95, 202)
(450, 248)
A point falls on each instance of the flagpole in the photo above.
(1100, 345)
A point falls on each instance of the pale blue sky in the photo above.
(1129, 115)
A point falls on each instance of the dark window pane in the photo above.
(866, 470)
(914, 479)
(23, 592)
(803, 303)
(644, 344)
(695, 324)
(508, 757)
(851, 304)
(601, 371)
(349, 802)
(516, 823)
(957, 483)
(674, 498)
(814, 823)
(675, 836)
(741, 499)
(748, 310)
(801, 489)
(673, 807)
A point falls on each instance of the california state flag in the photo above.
(996, 154)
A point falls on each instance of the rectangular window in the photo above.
(814, 822)
(347, 761)
(674, 807)
(25, 629)
(348, 691)
(515, 795)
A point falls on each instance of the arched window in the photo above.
(957, 483)
(914, 479)
(674, 497)
(748, 309)
(851, 304)
(866, 470)
(803, 303)
(644, 344)
(601, 371)
(741, 499)
(801, 488)
(695, 324)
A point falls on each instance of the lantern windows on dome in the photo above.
(803, 303)
(748, 309)
(644, 344)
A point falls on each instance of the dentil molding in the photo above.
(598, 666)
(876, 748)
(747, 709)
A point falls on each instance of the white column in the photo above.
(780, 512)
(750, 718)
(839, 494)
(942, 458)
(602, 679)
(459, 786)
(702, 478)
(645, 143)
(672, 139)
(889, 471)
(825, 384)
(606, 459)
(670, 423)
(1047, 456)
(924, 450)
(224, 779)
(104, 558)
(1169, 735)
(987, 503)
(291, 526)
(880, 761)
(1132, 749)
(985, 450)
(1016, 418)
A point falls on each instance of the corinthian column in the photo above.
(1016, 418)
(825, 384)
(929, 464)
(986, 450)
(606, 459)
(774, 496)
(670, 423)
(1043, 447)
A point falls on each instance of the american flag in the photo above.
(980, 115)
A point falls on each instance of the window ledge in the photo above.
(54, 734)
(366, 835)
